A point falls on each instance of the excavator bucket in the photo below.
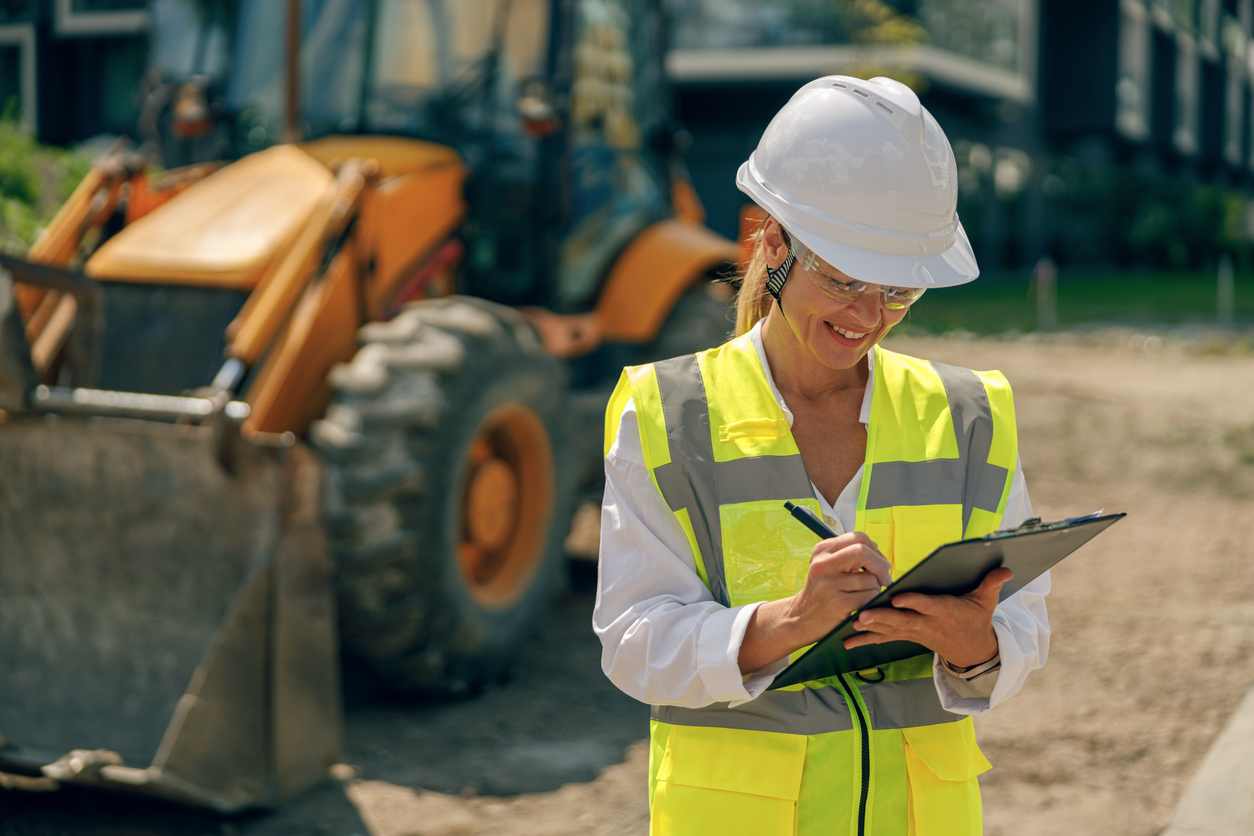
(166, 620)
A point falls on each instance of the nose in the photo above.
(867, 309)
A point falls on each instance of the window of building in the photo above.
(1208, 24)
(1235, 47)
(1188, 94)
(101, 17)
(17, 74)
(1132, 100)
(94, 6)
(1249, 110)
(1184, 13)
(988, 31)
(10, 81)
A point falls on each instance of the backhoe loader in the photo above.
(335, 398)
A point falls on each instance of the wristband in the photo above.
(972, 671)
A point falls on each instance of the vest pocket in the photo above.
(728, 781)
(766, 554)
(942, 762)
(755, 436)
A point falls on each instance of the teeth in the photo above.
(853, 335)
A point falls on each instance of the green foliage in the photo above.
(34, 181)
(876, 23)
(1138, 299)
(1119, 216)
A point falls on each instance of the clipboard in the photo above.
(952, 569)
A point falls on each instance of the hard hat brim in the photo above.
(952, 266)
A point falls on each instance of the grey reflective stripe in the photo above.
(808, 711)
(973, 426)
(762, 477)
(891, 705)
(968, 480)
(693, 480)
(688, 480)
(933, 482)
(740, 480)
(904, 704)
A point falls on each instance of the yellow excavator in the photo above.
(336, 398)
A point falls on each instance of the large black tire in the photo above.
(702, 318)
(440, 577)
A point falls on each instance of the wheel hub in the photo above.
(492, 504)
(506, 504)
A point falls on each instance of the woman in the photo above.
(708, 587)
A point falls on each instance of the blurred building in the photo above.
(1095, 131)
(69, 68)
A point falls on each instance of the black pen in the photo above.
(810, 520)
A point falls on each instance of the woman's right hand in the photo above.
(845, 573)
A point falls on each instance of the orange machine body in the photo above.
(323, 237)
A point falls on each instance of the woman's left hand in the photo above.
(958, 627)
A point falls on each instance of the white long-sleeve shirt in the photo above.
(666, 641)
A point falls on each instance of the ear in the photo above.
(774, 245)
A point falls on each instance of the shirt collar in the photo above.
(864, 416)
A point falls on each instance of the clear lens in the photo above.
(848, 291)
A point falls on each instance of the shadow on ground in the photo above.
(558, 721)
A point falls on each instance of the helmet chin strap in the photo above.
(776, 276)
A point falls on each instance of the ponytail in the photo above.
(754, 301)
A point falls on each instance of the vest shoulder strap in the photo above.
(940, 435)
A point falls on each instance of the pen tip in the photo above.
(789, 506)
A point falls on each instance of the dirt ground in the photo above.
(1153, 641)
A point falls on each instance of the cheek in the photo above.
(891, 318)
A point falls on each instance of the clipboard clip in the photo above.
(1037, 524)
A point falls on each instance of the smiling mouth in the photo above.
(849, 335)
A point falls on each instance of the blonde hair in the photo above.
(754, 301)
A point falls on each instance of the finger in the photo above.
(863, 639)
(868, 559)
(853, 559)
(989, 590)
(832, 545)
(855, 582)
(884, 620)
(920, 603)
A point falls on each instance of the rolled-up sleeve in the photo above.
(1020, 624)
(665, 640)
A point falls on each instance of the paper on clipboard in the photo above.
(952, 569)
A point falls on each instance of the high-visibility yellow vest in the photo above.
(865, 753)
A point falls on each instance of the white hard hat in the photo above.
(863, 175)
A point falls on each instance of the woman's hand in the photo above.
(959, 628)
(845, 573)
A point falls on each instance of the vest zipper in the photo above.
(866, 754)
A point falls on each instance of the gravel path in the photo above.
(1153, 642)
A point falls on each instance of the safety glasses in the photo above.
(848, 291)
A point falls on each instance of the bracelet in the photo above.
(972, 671)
